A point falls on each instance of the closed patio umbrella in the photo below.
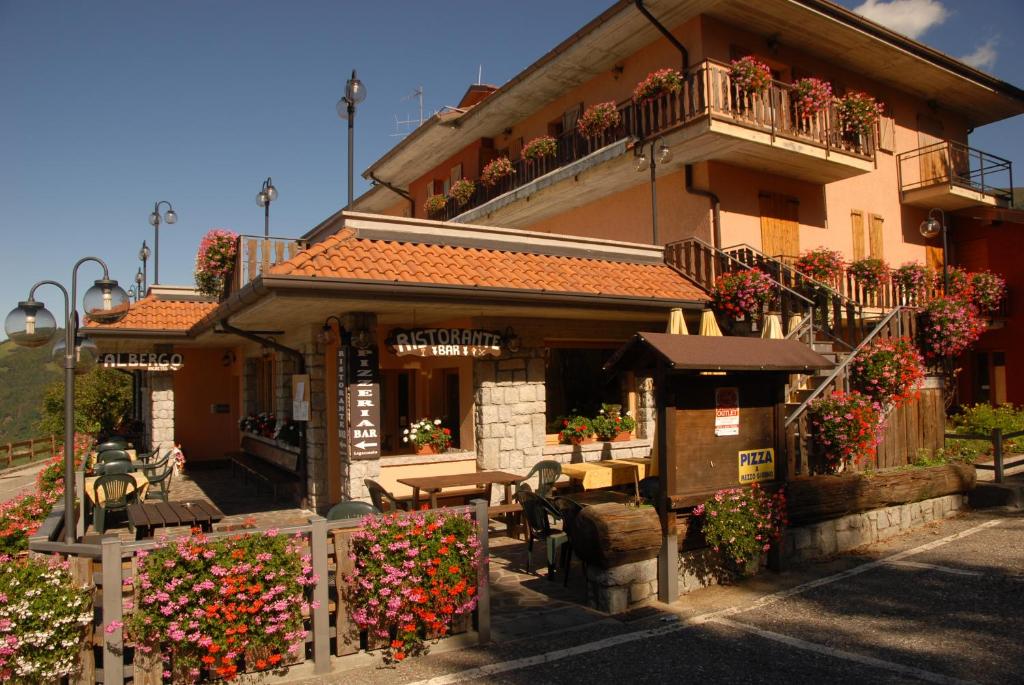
(795, 322)
(772, 327)
(676, 322)
(708, 324)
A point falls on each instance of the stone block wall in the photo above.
(316, 428)
(161, 407)
(510, 399)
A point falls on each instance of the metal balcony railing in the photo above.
(954, 164)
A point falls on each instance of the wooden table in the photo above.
(141, 486)
(608, 472)
(434, 484)
(146, 516)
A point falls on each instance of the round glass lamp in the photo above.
(664, 154)
(86, 354)
(170, 216)
(271, 192)
(30, 324)
(930, 227)
(355, 91)
(105, 302)
(262, 198)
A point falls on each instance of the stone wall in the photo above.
(318, 492)
(161, 407)
(510, 404)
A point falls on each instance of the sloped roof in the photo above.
(153, 313)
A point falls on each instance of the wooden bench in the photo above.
(146, 516)
(267, 464)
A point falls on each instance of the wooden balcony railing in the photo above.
(256, 255)
(950, 163)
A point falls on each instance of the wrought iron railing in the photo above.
(954, 164)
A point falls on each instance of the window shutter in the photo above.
(857, 225)
(876, 236)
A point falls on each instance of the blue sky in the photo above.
(110, 106)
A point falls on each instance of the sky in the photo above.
(109, 106)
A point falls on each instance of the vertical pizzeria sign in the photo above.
(363, 435)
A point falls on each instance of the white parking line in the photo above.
(919, 673)
(935, 567)
(719, 616)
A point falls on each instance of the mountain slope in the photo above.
(24, 374)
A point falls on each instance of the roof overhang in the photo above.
(718, 353)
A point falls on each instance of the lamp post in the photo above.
(154, 220)
(649, 158)
(144, 257)
(30, 324)
(140, 284)
(355, 92)
(267, 194)
(932, 227)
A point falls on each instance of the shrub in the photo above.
(821, 264)
(750, 75)
(496, 170)
(462, 191)
(428, 432)
(871, 273)
(414, 573)
(742, 523)
(576, 429)
(844, 427)
(858, 112)
(982, 419)
(222, 605)
(540, 147)
(888, 371)
(948, 327)
(42, 619)
(598, 118)
(959, 284)
(434, 204)
(987, 290)
(215, 260)
(743, 293)
(914, 280)
(812, 95)
(657, 83)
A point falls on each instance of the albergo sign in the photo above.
(142, 361)
(445, 342)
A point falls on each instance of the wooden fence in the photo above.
(110, 566)
(997, 438)
(31, 450)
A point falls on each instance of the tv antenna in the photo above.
(404, 127)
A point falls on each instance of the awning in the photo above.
(728, 353)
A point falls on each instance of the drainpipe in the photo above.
(665, 32)
(716, 207)
(397, 191)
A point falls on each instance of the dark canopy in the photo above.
(726, 353)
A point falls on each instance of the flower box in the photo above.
(622, 436)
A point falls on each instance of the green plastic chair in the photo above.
(118, 492)
(160, 481)
(538, 513)
(569, 510)
(350, 510)
(378, 495)
(111, 467)
(547, 471)
(112, 444)
(113, 455)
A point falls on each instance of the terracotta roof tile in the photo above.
(153, 313)
(343, 256)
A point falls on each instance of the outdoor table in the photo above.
(434, 484)
(587, 499)
(146, 516)
(141, 486)
(608, 472)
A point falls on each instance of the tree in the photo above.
(103, 398)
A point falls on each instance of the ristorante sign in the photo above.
(142, 361)
(445, 342)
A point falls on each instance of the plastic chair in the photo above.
(569, 509)
(350, 510)
(147, 467)
(112, 455)
(118, 492)
(160, 482)
(548, 471)
(538, 512)
(114, 443)
(111, 467)
(378, 495)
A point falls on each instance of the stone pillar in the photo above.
(161, 409)
(646, 408)
(248, 387)
(316, 427)
(285, 366)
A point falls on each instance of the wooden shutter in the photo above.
(456, 173)
(780, 227)
(857, 226)
(876, 236)
(886, 133)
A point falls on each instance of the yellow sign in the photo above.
(757, 465)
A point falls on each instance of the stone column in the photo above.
(161, 409)
(316, 427)
(510, 410)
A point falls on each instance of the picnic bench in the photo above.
(146, 516)
(267, 464)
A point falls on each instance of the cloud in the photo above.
(984, 56)
(909, 17)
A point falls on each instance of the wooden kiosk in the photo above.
(721, 405)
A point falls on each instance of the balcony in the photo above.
(951, 176)
(255, 255)
(710, 119)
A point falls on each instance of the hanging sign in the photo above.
(142, 361)
(364, 404)
(757, 465)
(727, 411)
(445, 342)
(342, 391)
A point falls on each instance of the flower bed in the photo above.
(42, 619)
(657, 83)
(870, 273)
(540, 147)
(213, 608)
(750, 75)
(742, 523)
(743, 293)
(948, 327)
(858, 112)
(811, 97)
(214, 261)
(597, 119)
(496, 170)
(414, 574)
(844, 427)
(822, 265)
(888, 370)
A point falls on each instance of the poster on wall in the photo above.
(727, 411)
(364, 404)
(756, 465)
(300, 397)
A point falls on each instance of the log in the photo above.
(819, 498)
(613, 534)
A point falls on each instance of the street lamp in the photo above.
(932, 227)
(355, 92)
(140, 284)
(650, 158)
(154, 220)
(267, 194)
(30, 324)
(144, 257)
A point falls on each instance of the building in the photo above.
(495, 311)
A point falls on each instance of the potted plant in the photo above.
(743, 294)
(948, 326)
(577, 430)
(658, 83)
(811, 96)
(539, 148)
(741, 524)
(613, 426)
(821, 264)
(960, 286)
(858, 112)
(988, 290)
(435, 204)
(215, 260)
(462, 191)
(870, 273)
(750, 75)
(289, 432)
(428, 436)
(888, 371)
(914, 281)
(597, 119)
(495, 171)
(844, 427)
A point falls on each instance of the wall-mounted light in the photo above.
(326, 333)
(362, 339)
(511, 341)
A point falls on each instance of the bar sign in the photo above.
(364, 404)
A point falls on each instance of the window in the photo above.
(576, 383)
(263, 379)
(456, 174)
